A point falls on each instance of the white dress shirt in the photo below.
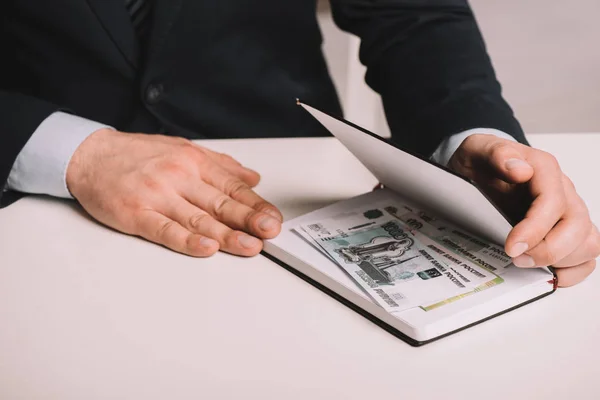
(41, 166)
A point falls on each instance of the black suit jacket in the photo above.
(232, 68)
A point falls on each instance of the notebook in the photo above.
(434, 193)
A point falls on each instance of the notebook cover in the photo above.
(361, 311)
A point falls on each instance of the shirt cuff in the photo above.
(446, 149)
(41, 166)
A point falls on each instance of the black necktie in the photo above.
(139, 10)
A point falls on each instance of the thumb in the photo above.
(509, 163)
(507, 159)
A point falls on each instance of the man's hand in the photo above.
(555, 227)
(171, 192)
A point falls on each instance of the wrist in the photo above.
(87, 154)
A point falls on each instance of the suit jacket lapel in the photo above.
(116, 21)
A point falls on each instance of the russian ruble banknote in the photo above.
(454, 239)
(396, 265)
(457, 241)
(488, 255)
(397, 252)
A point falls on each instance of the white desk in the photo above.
(87, 313)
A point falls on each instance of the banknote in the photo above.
(473, 262)
(453, 239)
(385, 258)
(465, 269)
(450, 238)
(485, 254)
(434, 255)
(458, 241)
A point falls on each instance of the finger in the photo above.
(231, 212)
(547, 208)
(566, 236)
(573, 275)
(157, 228)
(590, 249)
(198, 221)
(249, 176)
(507, 159)
(239, 191)
(234, 167)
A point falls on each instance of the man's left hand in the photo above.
(555, 227)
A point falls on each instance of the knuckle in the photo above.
(197, 220)
(228, 158)
(546, 255)
(562, 204)
(190, 151)
(472, 140)
(265, 206)
(499, 150)
(152, 184)
(568, 182)
(549, 159)
(557, 204)
(235, 187)
(131, 203)
(177, 171)
(165, 166)
(163, 229)
(230, 239)
(221, 203)
(251, 217)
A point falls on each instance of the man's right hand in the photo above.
(172, 192)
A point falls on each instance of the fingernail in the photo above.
(248, 242)
(267, 223)
(524, 261)
(513, 163)
(518, 249)
(273, 214)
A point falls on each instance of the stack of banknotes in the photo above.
(403, 257)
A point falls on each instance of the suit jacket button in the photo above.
(154, 93)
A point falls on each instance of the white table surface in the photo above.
(88, 313)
